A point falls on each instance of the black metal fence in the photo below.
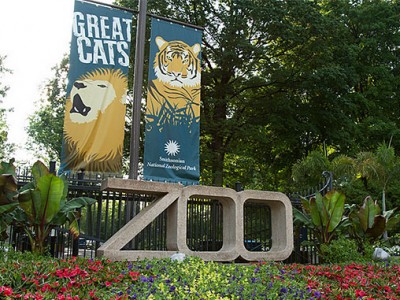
(304, 252)
(112, 210)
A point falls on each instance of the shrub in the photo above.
(345, 250)
(39, 206)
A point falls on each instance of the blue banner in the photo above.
(172, 131)
(97, 84)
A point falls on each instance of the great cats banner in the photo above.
(96, 92)
(171, 149)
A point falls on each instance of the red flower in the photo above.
(387, 289)
(46, 287)
(134, 275)
(360, 293)
(7, 291)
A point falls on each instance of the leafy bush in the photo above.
(39, 206)
(323, 215)
(345, 250)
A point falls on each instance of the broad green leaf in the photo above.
(6, 208)
(389, 213)
(39, 170)
(300, 217)
(377, 229)
(30, 202)
(59, 219)
(344, 224)
(367, 213)
(67, 212)
(20, 217)
(322, 205)
(392, 222)
(8, 188)
(3, 230)
(306, 204)
(77, 203)
(65, 191)
(315, 212)
(28, 186)
(335, 209)
(378, 210)
(51, 189)
(8, 168)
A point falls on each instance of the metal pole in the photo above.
(137, 90)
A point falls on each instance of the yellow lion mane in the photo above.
(97, 145)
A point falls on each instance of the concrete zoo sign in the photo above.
(174, 199)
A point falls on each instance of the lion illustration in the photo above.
(94, 122)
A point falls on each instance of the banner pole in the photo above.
(137, 90)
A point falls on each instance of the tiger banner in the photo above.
(172, 130)
(97, 86)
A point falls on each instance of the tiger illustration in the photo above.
(94, 122)
(174, 96)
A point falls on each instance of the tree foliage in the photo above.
(46, 124)
(281, 79)
(3, 69)
(374, 173)
(6, 148)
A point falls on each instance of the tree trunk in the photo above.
(218, 147)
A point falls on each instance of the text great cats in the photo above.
(102, 39)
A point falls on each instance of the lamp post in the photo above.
(137, 90)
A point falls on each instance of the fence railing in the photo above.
(304, 251)
(112, 210)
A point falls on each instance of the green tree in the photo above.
(370, 53)
(251, 64)
(6, 148)
(284, 78)
(45, 127)
(346, 102)
(367, 173)
(388, 169)
(308, 172)
(3, 69)
(377, 170)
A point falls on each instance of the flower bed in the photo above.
(23, 276)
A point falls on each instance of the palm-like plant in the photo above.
(368, 223)
(388, 168)
(323, 215)
(39, 206)
(381, 166)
